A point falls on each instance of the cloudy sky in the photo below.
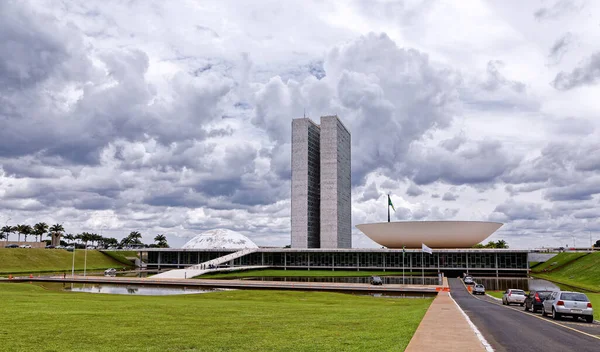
(175, 117)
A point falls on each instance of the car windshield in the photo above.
(544, 294)
(571, 296)
(517, 292)
(479, 286)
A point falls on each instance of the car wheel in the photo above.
(522, 304)
(533, 309)
(526, 309)
(543, 311)
(555, 315)
(589, 318)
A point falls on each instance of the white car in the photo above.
(513, 296)
(25, 246)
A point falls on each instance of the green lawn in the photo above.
(583, 273)
(36, 260)
(302, 273)
(36, 319)
(497, 294)
(122, 256)
(560, 260)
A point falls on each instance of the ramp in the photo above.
(203, 268)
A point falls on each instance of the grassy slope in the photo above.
(583, 273)
(121, 256)
(38, 319)
(560, 260)
(33, 260)
(296, 273)
(497, 294)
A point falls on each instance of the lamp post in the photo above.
(73, 266)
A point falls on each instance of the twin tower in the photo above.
(321, 184)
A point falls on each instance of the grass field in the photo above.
(301, 273)
(560, 260)
(121, 256)
(36, 319)
(497, 294)
(583, 273)
(34, 260)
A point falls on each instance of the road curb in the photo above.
(478, 333)
(496, 298)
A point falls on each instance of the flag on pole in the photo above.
(390, 203)
(426, 249)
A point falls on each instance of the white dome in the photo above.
(220, 238)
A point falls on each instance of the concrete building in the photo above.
(336, 217)
(321, 184)
(306, 193)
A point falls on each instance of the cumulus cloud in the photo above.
(178, 122)
(558, 9)
(587, 73)
(414, 190)
(560, 47)
(449, 197)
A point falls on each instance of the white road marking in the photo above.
(482, 339)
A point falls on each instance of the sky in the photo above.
(175, 117)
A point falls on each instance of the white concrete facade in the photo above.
(321, 184)
(305, 184)
(336, 217)
(434, 234)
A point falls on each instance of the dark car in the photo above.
(376, 280)
(49, 246)
(535, 299)
(11, 246)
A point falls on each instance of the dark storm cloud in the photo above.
(55, 102)
(587, 73)
(363, 80)
(475, 163)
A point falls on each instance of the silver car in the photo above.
(479, 289)
(512, 295)
(574, 304)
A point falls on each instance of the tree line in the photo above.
(57, 231)
(492, 244)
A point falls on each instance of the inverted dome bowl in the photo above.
(434, 234)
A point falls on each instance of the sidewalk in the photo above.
(444, 328)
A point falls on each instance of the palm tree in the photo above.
(23, 230)
(40, 229)
(7, 231)
(161, 241)
(69, 237)
(56, 231)
(135, 237)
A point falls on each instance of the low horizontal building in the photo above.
(452, 262)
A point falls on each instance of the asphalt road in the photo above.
(512, 329)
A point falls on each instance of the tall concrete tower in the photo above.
(306, 193)
(321, 184)
(336, 217)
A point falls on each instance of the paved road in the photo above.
(512, 329)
